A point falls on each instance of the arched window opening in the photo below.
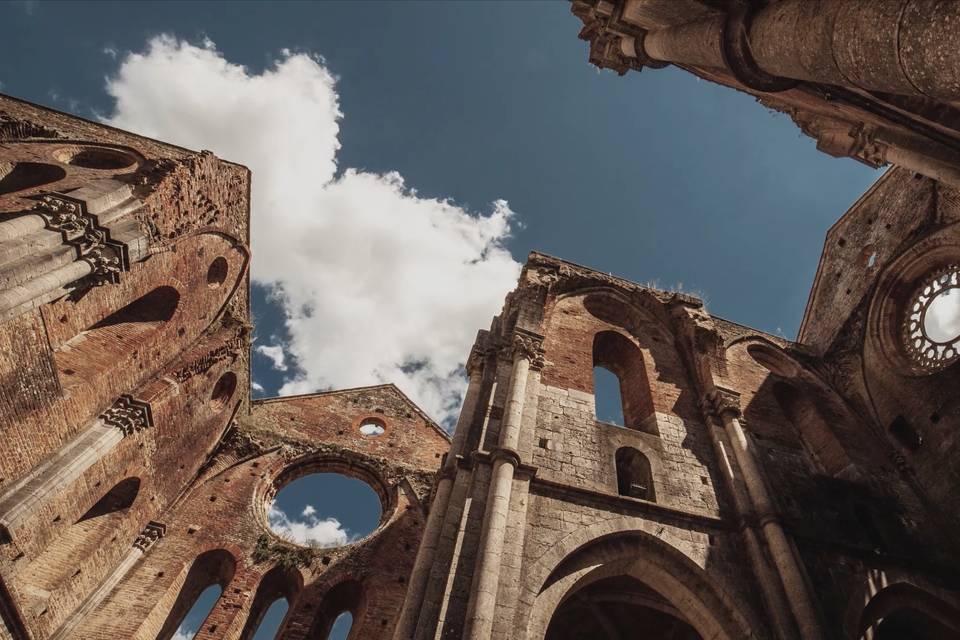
(117, 337)
(272, 619)
(341, 627)
(634, 477)
(606, 394)
(814, 432)
(28, 175)
(198, 613)
(77, 542)
(340, 606)
(615, 356)
(275, 593)
(208, 576)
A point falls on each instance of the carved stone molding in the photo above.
(107, 258)
(525, 345)
(129, 415)
(614, 44)
(149, 536)
(476, 360)
(719, 401)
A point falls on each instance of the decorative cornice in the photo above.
(129, 415)
(149, 536)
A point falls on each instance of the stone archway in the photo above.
(904, 610)
(662, 584)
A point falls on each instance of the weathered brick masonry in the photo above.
(759, 487)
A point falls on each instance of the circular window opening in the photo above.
(931, 324)
(324, 510)
(372, 427)
(223, 390)
(217, 273)
(94, 158)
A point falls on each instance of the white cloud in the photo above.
(183, 634)
(311, 531)
(256, 386)
(379, 284)
(275, 354)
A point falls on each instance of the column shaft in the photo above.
(770, 586)
(798, 596)
(427, 550)
(483, 597)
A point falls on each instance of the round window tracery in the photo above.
(931, 324)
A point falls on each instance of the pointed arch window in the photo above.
(208, 576)
(620, 377)
(277, 590)
(341, 627)
(337, 611)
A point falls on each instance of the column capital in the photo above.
(719, 401)
(128, 414)
(69, 216)
(149, 536)
(525, 344)
(475, 361)
(506, 453)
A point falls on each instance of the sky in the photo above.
(407, 156)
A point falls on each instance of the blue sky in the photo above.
(657, 177)
(408, 155)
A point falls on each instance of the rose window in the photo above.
(931, 328)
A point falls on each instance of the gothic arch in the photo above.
(802, 397)
(275, 584)
(618, 548)
(347, 596)
(901, 601)
(619, 355)
(213, 567)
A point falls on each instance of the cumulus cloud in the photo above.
(183, 634)
(378, 283)
(256, 386)
(276, 355)
(309, 530)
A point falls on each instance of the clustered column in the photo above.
(726, 406)
(526, 350)
(426, 553)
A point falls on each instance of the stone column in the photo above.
(526, 350)
(770, 585)
(907, 47)
(21, 226)
(427, 550)
(26, 496)
(726, 405)
(153, 532)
